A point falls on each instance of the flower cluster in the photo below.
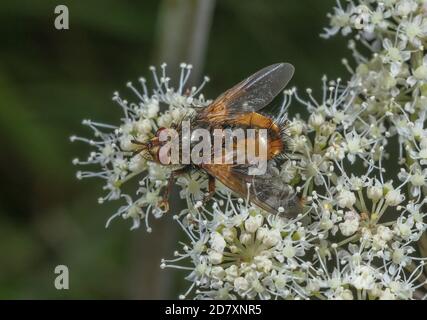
(359, 161)
(355, 239)
(237, 251)
(116, 148)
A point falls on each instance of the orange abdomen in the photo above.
(255, 120)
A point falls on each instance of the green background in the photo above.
(50, 80)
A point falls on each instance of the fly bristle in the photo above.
(283, 124)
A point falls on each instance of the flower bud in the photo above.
(241, 284)
(394, 198)
(253, 223)
(346, 199)
(144, 126)
(214, 257)
(217, 242)
(316, 120)
(375, 193)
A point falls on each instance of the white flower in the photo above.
(405, 7)
(403, 229)
(296, 127)
(343, 294)
(414, 29)
(215, 257)
(340, 20)
(419, 74)
(152, 108)
(346, 199)
(363, 277)
(316, 120)
(354, 145)
(385, 233)
(375, 192)
(193, 186)
(394, 198)
(241, 284)
(271, 238)
(253, 223)
(289, 251)
(144, 125)
(263, 263)
(387, 295)
(137, 164)
(350, 224)
(229, 234)
(218, 273)
(217, 242)
(398, 256)
(416, 177)
(395, 55)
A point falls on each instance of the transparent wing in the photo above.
(267, 191)
(250, 95)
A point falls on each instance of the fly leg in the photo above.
(211, 189)
(164, 203)
(142, 146)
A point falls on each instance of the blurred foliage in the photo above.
(50, 80)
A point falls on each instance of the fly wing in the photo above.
(267, 191)
(250, 95)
